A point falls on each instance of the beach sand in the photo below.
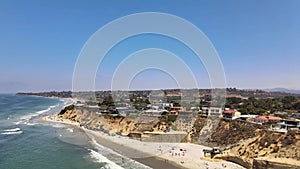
(153, 154)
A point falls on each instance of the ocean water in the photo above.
(27, 142)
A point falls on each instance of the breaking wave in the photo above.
(123, 160)
(12, 131)
(26, 118)
(101, 159)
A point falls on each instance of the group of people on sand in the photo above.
(181, 152)
(207, 165)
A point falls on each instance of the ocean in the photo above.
(27, 142)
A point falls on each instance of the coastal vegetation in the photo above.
(246, 101)
(262, 106)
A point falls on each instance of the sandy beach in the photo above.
(153, 154)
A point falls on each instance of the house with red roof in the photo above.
(177, 108)
(267, 119)
(231, 113)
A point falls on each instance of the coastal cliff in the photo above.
(267, 150)
(249, 145)
(111, 124)
(232, 131)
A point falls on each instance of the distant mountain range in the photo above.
(284, 90)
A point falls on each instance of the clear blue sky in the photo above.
(257, 41)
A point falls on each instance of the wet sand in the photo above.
(153, 162)
(153, 154)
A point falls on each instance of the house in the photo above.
(94, 108)
(195, 108)
(167, 106)
(125, 111)
(280, 113)
(213, 111)
(286, 125)
(154, 107)
(267, 119)
(232, 114)
(177, 108)
(295, 116)
(248, 117)
(155, 112)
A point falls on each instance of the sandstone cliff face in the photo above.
(250, 145)
(225, 134)
(110, 124)
(247, 144)
(267, 150)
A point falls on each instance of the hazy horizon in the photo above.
(285, 90)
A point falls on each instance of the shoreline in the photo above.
(152, 154)
(148, 159)
(153, 162)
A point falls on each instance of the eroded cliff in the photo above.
(250, 145)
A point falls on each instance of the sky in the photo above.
(257, 42)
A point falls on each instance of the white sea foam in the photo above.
(23, 122)
(12, 132)
(63, 100)
(30, 124)
(97, 145)
(18, 122)
(67, 101)
(70, 130)
(58, 125)
(101, 159)
(127, 163)
(25, 119)
(54, 106)
(43, 111)
(29, 116)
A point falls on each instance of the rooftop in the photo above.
(269, 118)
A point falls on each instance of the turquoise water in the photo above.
(27, 142)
